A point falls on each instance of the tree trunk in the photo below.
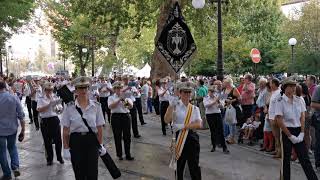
(159, 66)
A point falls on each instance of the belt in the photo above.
(81, 133)
(47, 118)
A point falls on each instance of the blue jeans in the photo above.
(233, 129)
(8, 142)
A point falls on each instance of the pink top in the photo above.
(311, 89)
(248, 94)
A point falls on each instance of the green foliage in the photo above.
(306, 29)
(14, 14)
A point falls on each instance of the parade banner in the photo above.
(176, 43)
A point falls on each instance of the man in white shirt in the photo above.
(275, 83)
(144, 97)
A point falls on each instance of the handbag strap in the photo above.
(86, 123)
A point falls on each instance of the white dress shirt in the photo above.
(272, 105)
(44, 101)
(291, 112)
(120, 108)
(71, 118)
(103, 87)
(211, 109)
(165, 97)
(181, 113)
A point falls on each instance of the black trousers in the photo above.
(29, 107)
(35, 113)
(51, 132)
(163, 109)
(302, 153)
(139, 108)
(84, 156)
(134, 121)
(120, 123)
(190, 154)
(105, 108)
(216, 129)
(156, 104)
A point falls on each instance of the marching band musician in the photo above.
(50, 123)
(164, 97)
(79, 144)
(290, 116)
(214, 118)
(120, 120)
(36, 91)
(27, 92)
(105, 90)
(187, 120)
(130, 91)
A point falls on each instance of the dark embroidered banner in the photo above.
(176, 43)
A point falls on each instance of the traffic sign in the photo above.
(255, 55)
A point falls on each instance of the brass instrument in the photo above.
(126, 103)
(58, 108)
(173, 161)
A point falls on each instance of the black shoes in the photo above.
(213, 149)
(16, 173)
(137, 136)
(61, 161)
(226, 151)
(143, 123)
(30, 122)
(6, 178)
(49, 163)
(129, 158)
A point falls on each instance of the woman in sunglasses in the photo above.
(186, 120)
(79, 144)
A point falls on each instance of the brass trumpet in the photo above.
(58, 108)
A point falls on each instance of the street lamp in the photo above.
(292, 43)
(198, 4)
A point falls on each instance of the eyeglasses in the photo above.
(81, 88)
(186, 92)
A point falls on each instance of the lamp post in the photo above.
(90, 40)
(292, 43)
(199, 4)
(82, 50)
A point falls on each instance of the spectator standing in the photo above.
(247, 98)
(11, 111)
(312, 84)
(315, 104)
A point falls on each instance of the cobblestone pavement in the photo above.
(152, 157)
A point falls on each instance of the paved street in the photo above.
(152, 158)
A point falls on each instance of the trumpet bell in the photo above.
(58, 109)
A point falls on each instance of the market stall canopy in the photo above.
(144, 72)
